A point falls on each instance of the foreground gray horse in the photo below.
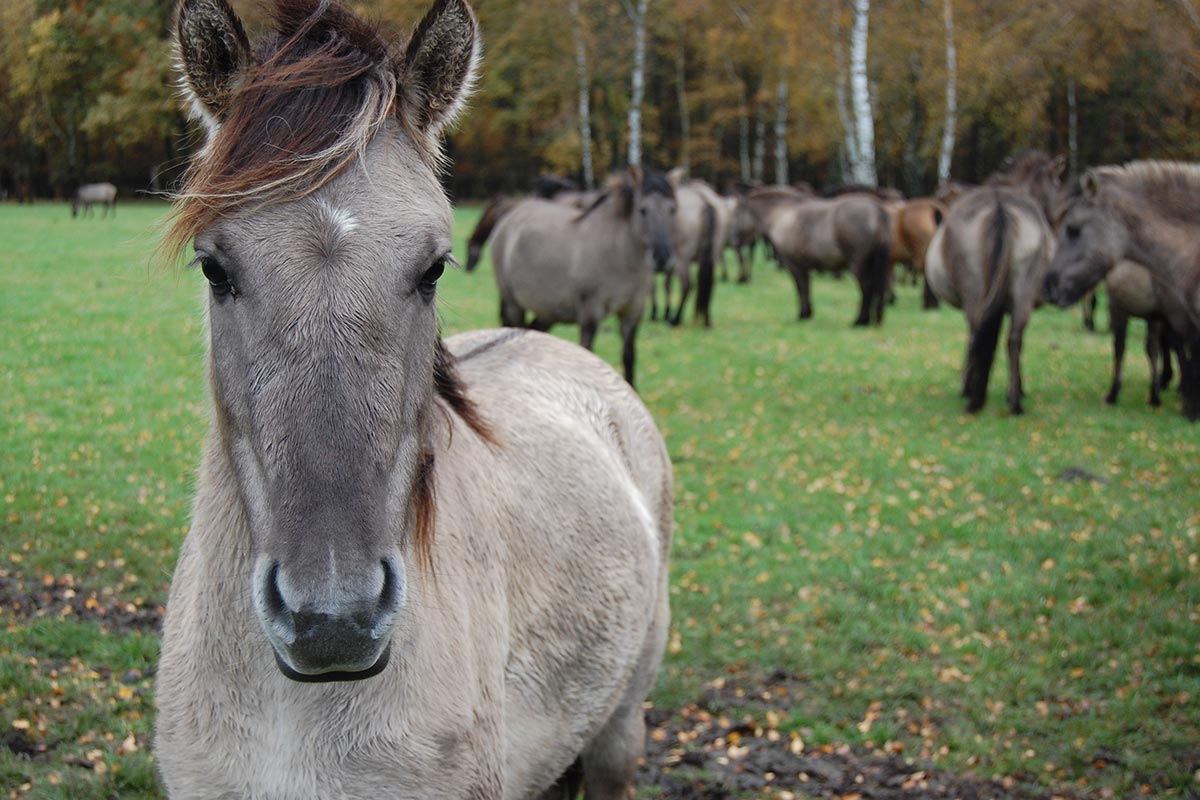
(563, 265)
(415, 569)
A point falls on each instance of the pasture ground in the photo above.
(863, 575)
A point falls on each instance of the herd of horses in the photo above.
(420, 567)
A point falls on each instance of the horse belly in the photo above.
(937, 272)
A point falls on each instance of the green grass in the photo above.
(926, 577)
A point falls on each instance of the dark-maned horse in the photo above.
(415, 568)
(1132, 292)
(989, 258)
(1148, 212)
(91, 193)
(548, 187)
(563, 265)
(829, 235)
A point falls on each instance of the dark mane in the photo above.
(655, 182)
(1172, 186)
(548, 186)
(320, 88)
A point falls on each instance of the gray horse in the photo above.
(989, 258)
(1145, 211)
(91, 193)
(563, 265)
(829, 235)
(414, 569)
(1132, 292)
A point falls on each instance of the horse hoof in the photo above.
(974, 406)
(1016, 410)
(1111, 399)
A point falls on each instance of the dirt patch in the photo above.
(727, 745)
(65, 597)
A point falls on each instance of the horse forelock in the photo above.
(656, 182)
(322, 85)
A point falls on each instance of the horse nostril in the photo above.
(277, 611)
(391, 597)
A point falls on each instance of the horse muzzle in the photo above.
(343, 636)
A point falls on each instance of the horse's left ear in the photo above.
(439, 67)
(213, 54)
(1057, 164)
(1089, 185)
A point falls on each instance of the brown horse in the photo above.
(1145, 211)
(1132, 293)
(913, 223)
(829, 235)
(564, 265)
(415, 568)
(989, 258)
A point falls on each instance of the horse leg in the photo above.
(587, 332)
(1189, 378)
(866, 289)
(539, 324)
(685, 288)
(1016, 333)
(629, 327)
(653, 296)
(745, 263)
(1118, 321)
(1153, 342)
(511, 314)
(1167, 347)
(980, 355)
(800, 276)
(568, 786)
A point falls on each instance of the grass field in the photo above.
(1013, 597)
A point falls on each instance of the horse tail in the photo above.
(704, 274)
(492, 214)
(996, 269)
(878, 269)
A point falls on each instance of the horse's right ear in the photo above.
(439, 67)
(213, 54)
(1089, 184)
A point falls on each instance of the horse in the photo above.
(1144, 211)
(828, 234)
(416, 567)
(549, 187)
(91, 193)
(913, 223)
(1132, 293)
(701, 226)
(989, 258)
(744, 234)
(563, 265)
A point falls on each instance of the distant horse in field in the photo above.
(744, 233)
(913, 224)
(564, 265)
(1148, 212)
(91, 193)
(1132, 293)
(829, 235)
(699, 230)
(415, 568)
(989, 258)
(548, 187)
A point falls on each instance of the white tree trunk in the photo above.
(639, 77)
(951, 99)
(860, 93)
(781, 163)
(585, 113)
(850, 145)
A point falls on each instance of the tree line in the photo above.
(903, 93)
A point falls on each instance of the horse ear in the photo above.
(1090, 184)
(677, 176)
(1056, 166)
(439, 66)
(213, 54)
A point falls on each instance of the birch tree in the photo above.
(951, 98)
(781, 163)
(639, 83)
(585, 115)
(860, 92)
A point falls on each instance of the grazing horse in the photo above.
(1132, 293)
(828, 234)
(564, 265)
(989, 258)
(1145, 211)
(913, 223)
(415, 568)
(91, 193)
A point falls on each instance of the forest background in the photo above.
(734, 89)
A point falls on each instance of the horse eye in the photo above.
(430, 278)
(217, 278)
(1072, 231)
